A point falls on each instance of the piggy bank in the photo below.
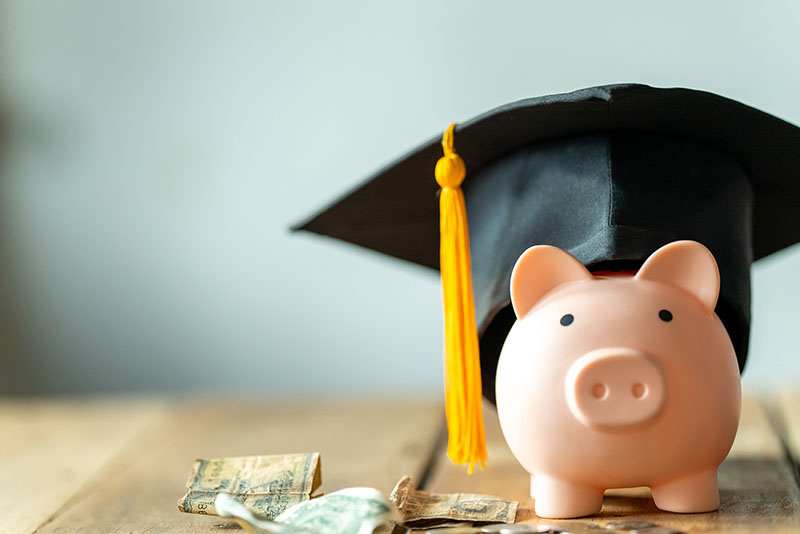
(618, 380)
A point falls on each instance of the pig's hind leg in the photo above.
(556, 498)
(692, 494)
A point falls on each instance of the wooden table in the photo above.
(118, 465)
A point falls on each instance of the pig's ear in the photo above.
(687, 265)
(537, 271)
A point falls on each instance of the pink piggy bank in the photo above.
(618, 381)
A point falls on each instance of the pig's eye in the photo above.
(567, 320)
(665, 315)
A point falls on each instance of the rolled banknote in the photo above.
(422, 507)
(227, 506)
(265, 485)
(349, 511)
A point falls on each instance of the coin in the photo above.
(571, 527)
(508, 528)
(629, 524)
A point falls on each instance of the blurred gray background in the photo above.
(155, 153)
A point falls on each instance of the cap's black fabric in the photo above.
(610, 200)
(609, 174)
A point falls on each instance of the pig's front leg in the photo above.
(556, 498)
(689, 495)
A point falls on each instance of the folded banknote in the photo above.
(425, 508)
(266, 485)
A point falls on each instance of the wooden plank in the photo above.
(50, 449)
(362, 444)
(786, 409)
(757, 488)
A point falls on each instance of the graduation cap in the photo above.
(609, 174)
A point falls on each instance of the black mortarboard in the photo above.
(609, 174)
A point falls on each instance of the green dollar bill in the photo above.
(349, 511)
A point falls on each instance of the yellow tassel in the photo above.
(462, 390)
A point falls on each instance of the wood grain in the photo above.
(786, 413)
(365, 443)
(116, 465)
(757, 488)
(50, 449)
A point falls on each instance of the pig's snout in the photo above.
(615, 388)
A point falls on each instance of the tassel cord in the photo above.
(463, 393)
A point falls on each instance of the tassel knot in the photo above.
(450, 171)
